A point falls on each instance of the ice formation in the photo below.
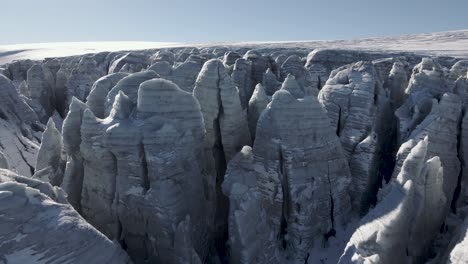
(261, 153)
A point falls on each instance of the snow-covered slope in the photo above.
(39, 51)
(449, 43)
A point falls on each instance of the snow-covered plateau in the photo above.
(349, 151)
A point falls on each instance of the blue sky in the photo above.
(33, 21)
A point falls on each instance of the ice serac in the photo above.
(98, 192)
(39, 226)
(163, 55)
(246, 225)
(184, 54)
(184, 251)
(219, 51)
(225, 120)
(149, 177)
(291, 134)
(82, 78)
(384, 238)
(23, 89)
(360, 113)
(461, 88)
(98, 198)
(427, 82)
(178, 182)
(258, 102)
(441, 126)
(129, 85)
(96, 99)
(242, 77)
(459, 69)
(230, 58)
(20, 130)
(185, 74)
(49, 161)
(281, 59)
(291, 85)
(4, 164)
(16, 71)
(131, 59)
(72, 181)
(162, 68)
(321, 62)
(41, 88)
(226, 124)
(259, 64)
(270, 82)
(402, 227)
(132, 68)
(396, 84)
(53, 64)
(458, 255)
(463, 198)
(300, 176)
(58, 120)
(293, 65)
(431, 202)
(61, 78)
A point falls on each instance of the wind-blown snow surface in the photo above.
(39, 51)
(449, 43)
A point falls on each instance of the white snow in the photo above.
(449, 43)
(39, 51)
(18, 149)
(331, 250)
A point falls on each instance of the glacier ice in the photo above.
(261, 153)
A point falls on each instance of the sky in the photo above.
(190, 21)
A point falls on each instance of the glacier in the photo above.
(273, 152)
